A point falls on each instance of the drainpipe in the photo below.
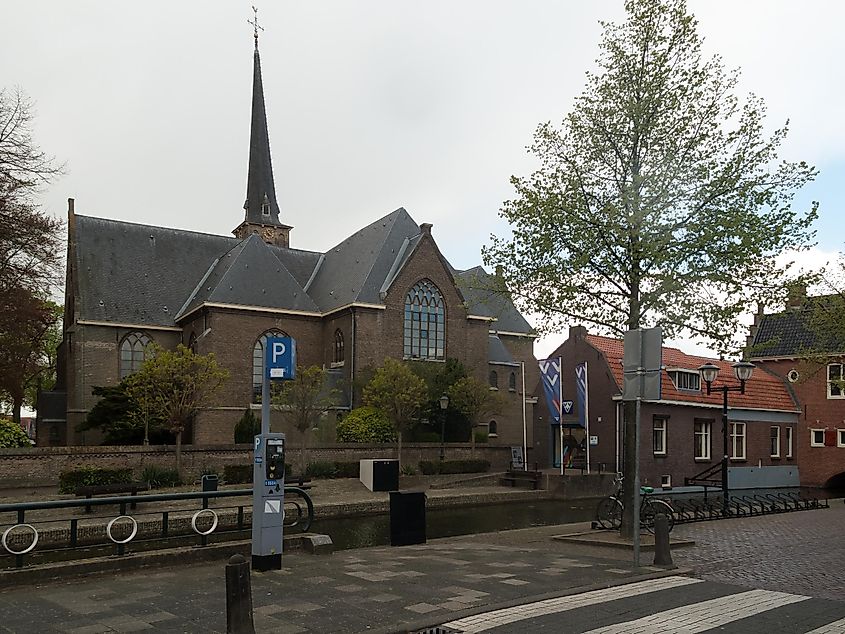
(352, 363)
(618, 408)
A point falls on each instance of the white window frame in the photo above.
(706, 430)
(663, 434)
(774, 438)
(789, 442)
(688, 376)
(840, 437)
(738, 441)
(830, 386)
(813, 433)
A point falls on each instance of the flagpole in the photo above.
(587, 412)
(560, 407)
(524, 423)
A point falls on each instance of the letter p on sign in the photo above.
(280, 358)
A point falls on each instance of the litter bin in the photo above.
(407, 518)
(209, 482)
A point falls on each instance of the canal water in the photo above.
(374, 530)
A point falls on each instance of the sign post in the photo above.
(268, 475)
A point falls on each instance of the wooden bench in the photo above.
(530, 478)
(90, 491)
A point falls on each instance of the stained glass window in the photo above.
(425, 322)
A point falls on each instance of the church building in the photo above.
(385, 291)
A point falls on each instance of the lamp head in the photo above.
(708, 372)
(444, 401)
(743, 370)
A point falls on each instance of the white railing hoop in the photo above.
(131, 535)
(196, 517)
(28, 548)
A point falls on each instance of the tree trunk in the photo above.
(17, 404)
(179, 454)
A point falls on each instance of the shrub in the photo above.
(237, 474)
(408, 470)
(481, 436)
(11, 435)
(347, 469)
(432, 467)
(160, 477)
(425, 435)
(328, 469)
(365, 424)
(69, 481)
(247, 427)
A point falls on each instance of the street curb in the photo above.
(421, 624)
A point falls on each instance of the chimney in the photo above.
(70, 206)
(796, 296)
(577, 332)
(499, 270)
(425, 228)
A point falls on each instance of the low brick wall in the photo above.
(41, 466)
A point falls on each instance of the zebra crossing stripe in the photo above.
(699, 617)
(837, 627)
(497, 618)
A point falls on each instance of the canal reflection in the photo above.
(374, 530)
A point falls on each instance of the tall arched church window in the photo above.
(258, 361)
(512, 382)
(425, 322)
(133, 353)
(492, 428)
(494, 379)
(338, 347)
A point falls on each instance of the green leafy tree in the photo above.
(365, 425)
(439, 377)
(12, 435)
(173, 385)
(121, 420)
(303, 400)
(399, 393)
(659, 200)
(475, 400)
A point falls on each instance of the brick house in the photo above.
(385, 291)
(788, 345)
(681, 434)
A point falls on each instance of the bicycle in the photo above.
(610, 509)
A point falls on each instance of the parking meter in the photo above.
(268, 501)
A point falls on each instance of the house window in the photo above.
(492, 429)
(788, 442)
(512, 382)
(840, 437)
(702, 440)
(774, 441)
(494, 380)
(686, 380)
(338, 347)
(258, 362)
(738, 441)
(425, 322)
(659, 436)
(835, 381)
(817, 437)
(133, 353)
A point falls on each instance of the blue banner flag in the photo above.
(581, 391)
(550, 375)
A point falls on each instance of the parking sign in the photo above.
(280, 358)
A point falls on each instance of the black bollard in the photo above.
(662, 552)
(238, 597)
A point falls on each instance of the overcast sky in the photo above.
(371, 105)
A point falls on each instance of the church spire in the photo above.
(261, 210)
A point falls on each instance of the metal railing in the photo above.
(66, 537)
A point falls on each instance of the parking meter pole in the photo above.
(268, 474)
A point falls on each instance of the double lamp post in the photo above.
(708, 373)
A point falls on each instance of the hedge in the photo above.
(69, 481)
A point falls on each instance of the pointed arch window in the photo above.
(512, 382)
(494, 380)
(133, 353)
(258, 361)
(425, 322)
(338, 347)
(192, 342)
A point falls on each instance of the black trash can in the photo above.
(407, 518)
(209, 482)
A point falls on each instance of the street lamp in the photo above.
(444, 403)
(708, 372)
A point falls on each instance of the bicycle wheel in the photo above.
(649, 511)
(609, 513)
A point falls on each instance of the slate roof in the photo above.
(790, 333)
(479, 290)
(497, 352)
(763, 391)
(145, 275)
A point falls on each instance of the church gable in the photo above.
(249, 275)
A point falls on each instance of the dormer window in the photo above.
(686, 379)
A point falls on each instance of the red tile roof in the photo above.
(763, 391)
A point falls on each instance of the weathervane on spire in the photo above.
(255, 26)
